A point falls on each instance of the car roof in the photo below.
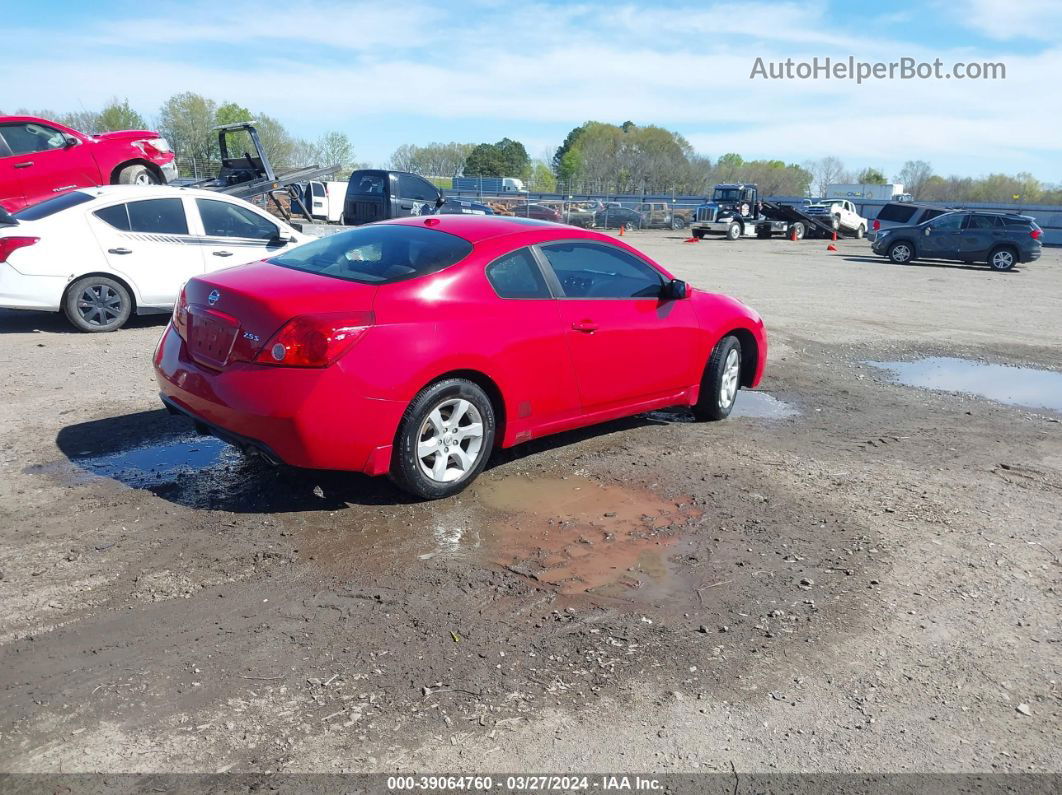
(475, 228)
(121, 192)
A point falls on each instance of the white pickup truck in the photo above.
(843, 213)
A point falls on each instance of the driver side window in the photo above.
(948, 223)
(597, 270)
(224, 219)
(26, 138)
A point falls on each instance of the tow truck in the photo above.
(736, 210)
(248, 176)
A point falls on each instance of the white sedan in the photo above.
(101, 254)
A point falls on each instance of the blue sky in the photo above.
(414, 72)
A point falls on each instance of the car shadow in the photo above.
(25, 321)
(951, 264)
(157, 452)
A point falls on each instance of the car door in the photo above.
(416, 196)
(979, 234)
(11, 197)
(234, 234)
(541, 381)
(147, 241)
(628, 345)
(47, 160)
(939, 238)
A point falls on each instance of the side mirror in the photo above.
(284, 236)
(675, 289)
(69, 141)
(927, 230)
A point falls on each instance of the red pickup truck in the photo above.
(40, 158)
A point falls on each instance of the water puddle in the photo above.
(751, 404)
(160, 463)
(1017, 386)
(572, 535)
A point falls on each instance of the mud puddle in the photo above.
(751, 404)
(571, 535)
(1016, 386)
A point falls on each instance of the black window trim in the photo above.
(130, 231)
(554, 282)
(552, 285)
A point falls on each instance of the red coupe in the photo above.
(415, 347)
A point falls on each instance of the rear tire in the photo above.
(1002, 259)
(721, 381)
(137, 175)
(444, 440)
(96, 304)
(678, 222)
(799, 229)
(861, 232)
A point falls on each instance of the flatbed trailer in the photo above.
(247, 176)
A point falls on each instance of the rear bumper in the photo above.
(19, 291)
(169, 171)
(301, 417)
(1032, 255)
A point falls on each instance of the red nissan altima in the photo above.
(415, 347)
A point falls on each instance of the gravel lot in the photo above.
(860, 576)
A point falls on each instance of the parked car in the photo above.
(613, 216)
(540, 212)
(842, 212)
(376, 195)
(41, 158)
(658, 215)
(904, 213)
(1000, 240)
(416, 347)
(101, 254)
(454, 206)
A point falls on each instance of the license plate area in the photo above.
(211, 336)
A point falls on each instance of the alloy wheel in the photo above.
(99, 305)
(450, 441)
(729, 386)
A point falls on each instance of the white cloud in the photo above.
(1007, 19)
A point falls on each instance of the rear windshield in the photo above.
(52, 206)
(897, 213)
(377, 254)
(367, 184)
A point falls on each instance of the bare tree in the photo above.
(914, 175)
(825, 172)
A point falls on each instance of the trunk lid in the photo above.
(233, 313)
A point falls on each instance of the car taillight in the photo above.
(180, 314)
(1036, 233)
(314, 340)
(877, 224)
(10, 244)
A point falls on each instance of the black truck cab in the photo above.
(376, 195)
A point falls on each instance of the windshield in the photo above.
(726, 195)
(52, 206)
(377, 254)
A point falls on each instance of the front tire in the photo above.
(901, 252)
(444, 440)
(733, 232)
(721, 381)
(137, 175)
(97, 304)
(861, 232)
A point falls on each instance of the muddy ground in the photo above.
(853, 575)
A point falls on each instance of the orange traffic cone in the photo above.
(834, 235)
(692, 240)
(831, 247)
(621, 230)
(793, 234)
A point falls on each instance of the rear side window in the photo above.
(594, 270)
(984, 222)
(52, 206)
(377, 254)
(317, 189)
(896, 213)
(367, 184)
(117, 216)
(158, 216)
(930, 214)
(1009, 222)
(517, 275)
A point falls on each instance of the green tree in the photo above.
(506, 158)
(565, 163)
(542, 178)
(86, 121)
(335, 149)
(277, 142)
(187, 120)
(119, 116)
(871, 176)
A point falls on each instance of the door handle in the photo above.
(222, 253)
(26, 164)
(585, 326)
(119, 251)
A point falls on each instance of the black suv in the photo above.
(999, 240)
